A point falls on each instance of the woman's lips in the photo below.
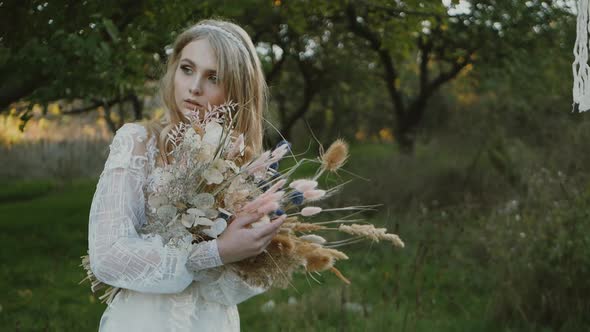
(192, 106)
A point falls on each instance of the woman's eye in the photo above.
(213, 78)
(186, 69)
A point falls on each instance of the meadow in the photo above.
(470, 264)
(461, 124)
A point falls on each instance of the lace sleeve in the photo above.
(118, 255)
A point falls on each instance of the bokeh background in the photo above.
(460, 119)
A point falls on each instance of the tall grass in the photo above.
(53, 159)
(495, 228)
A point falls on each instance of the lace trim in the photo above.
(152, 152)
(124, 142)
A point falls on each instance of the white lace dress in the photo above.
(163, 288)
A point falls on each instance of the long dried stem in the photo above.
(344, 244)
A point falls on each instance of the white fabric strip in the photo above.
(580, 68)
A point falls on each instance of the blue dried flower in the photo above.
(283, 142)
(274, 165)
(279, 212)
(297, 198)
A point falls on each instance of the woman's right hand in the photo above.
(239, 241)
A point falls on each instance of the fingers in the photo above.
(272, 228)
(278, 222)
(246, 219)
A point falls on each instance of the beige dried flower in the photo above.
(291, 220)
(337, 254)
(313, 238)
(321, 259)
(305, 227)
(340, 275)
(283, 243)
(375, 234)
(317, 261)
(336, 156)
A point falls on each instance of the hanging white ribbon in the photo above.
(580, 66)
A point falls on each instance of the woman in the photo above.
(185, 288)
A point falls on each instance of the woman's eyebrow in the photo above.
(194, 65)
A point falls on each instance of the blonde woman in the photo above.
(163, 288)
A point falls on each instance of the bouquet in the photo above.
(214, 176)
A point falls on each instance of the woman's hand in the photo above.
(238, 241)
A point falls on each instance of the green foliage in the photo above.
(95, 51)
(13, 191)
(46, 235)
(42, 291)
(540, 256)
(444, 173)
(466, 266)
(493, 204)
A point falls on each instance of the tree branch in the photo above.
(14, 90)
(96, 103)
(391, 74)
(456, 68)
(308, 92)
(425, 47)
(107, 117)
(277, 66)
(418, 106)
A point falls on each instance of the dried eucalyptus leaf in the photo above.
(203, 201)
(217, 228)
(211, 213)
(203, 221)
(166, 212)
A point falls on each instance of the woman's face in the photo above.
(195, 79)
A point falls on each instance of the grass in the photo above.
(438, 282)
(45, 237)
(24, 190)
(46, 234)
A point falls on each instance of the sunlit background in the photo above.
(460, 119)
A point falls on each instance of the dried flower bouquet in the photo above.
(213, 176)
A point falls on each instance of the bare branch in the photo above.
(391, 74)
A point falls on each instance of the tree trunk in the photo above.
(137, 107)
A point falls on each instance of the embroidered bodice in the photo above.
(187, 276)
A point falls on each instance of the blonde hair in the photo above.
(239, 71)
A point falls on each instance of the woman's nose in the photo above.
(195, 87)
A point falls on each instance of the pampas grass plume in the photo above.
(305, 227)
(336, 254)
(310, 211)
(340, 275)
(302, 185)
(313, 238)
(317, 262)
(375, 234)
(336, 155)
(283, 243)
(313, 195)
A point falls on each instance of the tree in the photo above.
(99, 52)
(442, 44)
